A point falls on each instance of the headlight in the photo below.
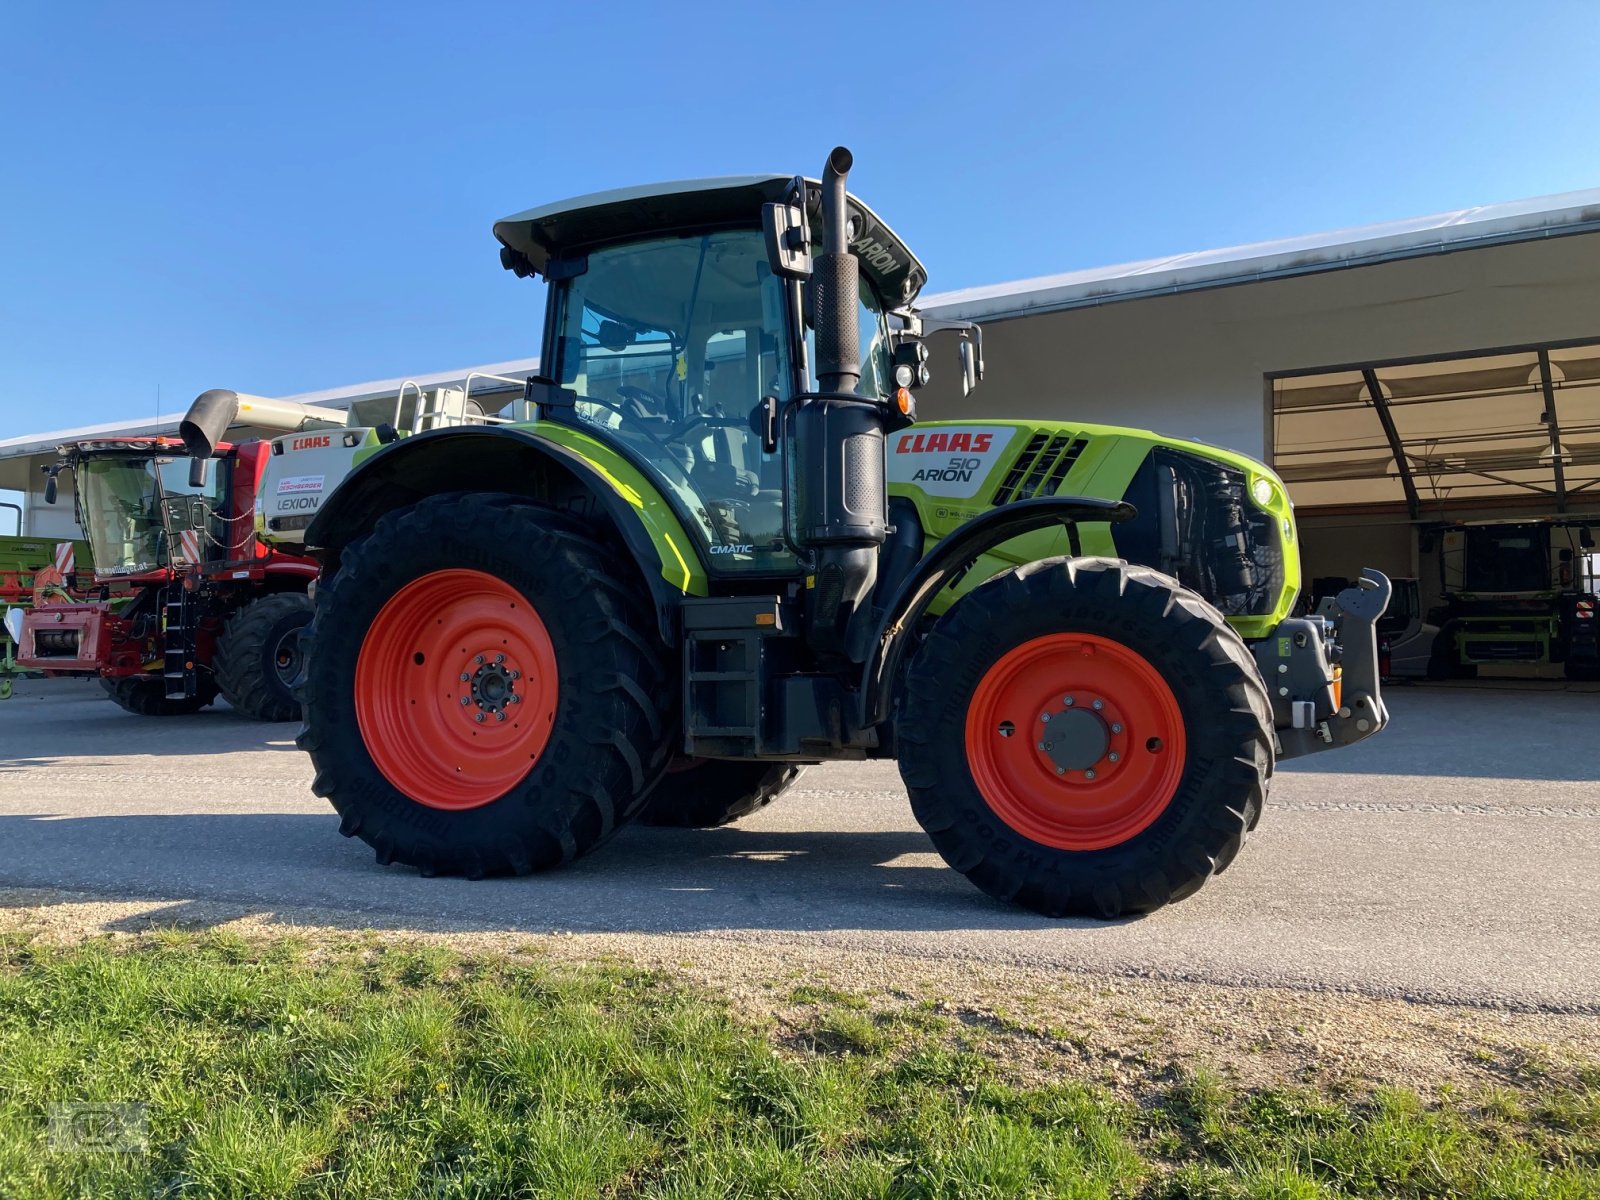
(1263, 491)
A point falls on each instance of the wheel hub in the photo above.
(492, 687)
(1075, 739)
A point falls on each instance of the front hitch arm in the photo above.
(1362, 703)
(1361, 712)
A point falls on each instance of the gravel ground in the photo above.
(1449, 861)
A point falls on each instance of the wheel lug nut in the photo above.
(1114, 756)
(516, 674)
(499, 658)
(480, 718)
(478, 660)
(1061, 770)
(1067, 700)
(466, 700)
(515, 699)
(1089, 774)
(1045, 717)
(500, 714)
(1042, 746)
(1099, 704)
(1115, 728)
(465, 677)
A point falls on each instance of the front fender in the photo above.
(953, 555)
(519, 461)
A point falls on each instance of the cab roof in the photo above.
(584, 223)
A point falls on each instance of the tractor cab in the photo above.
(673, 335)
(141, 512)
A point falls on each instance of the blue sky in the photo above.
(281, 197)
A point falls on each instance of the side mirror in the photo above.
(971, 370)
(788, 236)
(198, 472)
(50, 488)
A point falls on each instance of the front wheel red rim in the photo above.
(456, 689)
(1075, 741)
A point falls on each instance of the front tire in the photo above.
(259, 656)
(709, 792)
(484, 694)
(1085, 737)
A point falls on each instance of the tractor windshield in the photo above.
(670, 344)
(134, 508)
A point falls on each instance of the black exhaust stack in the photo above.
(202, 428)
(841, 501)
(207, 420)
(834, 284)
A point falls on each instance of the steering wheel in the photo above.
(646, 401)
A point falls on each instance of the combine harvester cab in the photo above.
(721, 547)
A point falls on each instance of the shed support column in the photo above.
(1386, 419)
(1555, 430)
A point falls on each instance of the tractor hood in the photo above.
(576, 226)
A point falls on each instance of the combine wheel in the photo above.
(259, 656)
(1085, 737)
(485, 694)
(706, 792)
(146, 697)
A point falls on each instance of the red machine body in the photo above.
(183, 559)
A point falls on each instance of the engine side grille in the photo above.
(1041, 468)
(1197, 524)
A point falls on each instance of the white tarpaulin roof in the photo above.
(1489, 224)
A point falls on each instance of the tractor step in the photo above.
(745, 693)
(723, 650)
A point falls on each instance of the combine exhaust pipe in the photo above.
(203, 427)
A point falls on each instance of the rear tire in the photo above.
(259, 656)
(1156, 677)
(520, 602)
(713, 792)
(146, 697)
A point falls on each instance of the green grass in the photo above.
(298, 1068)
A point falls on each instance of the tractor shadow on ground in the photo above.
(643, 881)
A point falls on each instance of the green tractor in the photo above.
(720, 548)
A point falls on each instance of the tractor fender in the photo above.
(496, 458)
(954, 553)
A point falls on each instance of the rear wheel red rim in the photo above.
(456, 689)
(1112, 761)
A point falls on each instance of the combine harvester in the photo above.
(208, 609)
(721, 549)
(213, 586)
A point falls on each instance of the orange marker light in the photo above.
(902, 397)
